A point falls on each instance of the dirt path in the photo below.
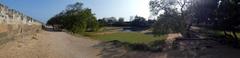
(50, 45)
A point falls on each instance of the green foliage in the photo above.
(76, 19)
(228, 15)
(170, 19)
(139, 22)
(169, 22)
(228, 18)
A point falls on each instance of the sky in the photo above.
(42, 10)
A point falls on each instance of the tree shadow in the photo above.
(51, 29)
(118, 49)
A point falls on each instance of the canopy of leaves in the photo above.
(75, 19)
(139, 22)
(169, 18)
(227, 15)
(169, 22)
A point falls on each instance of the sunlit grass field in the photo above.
(130, 37)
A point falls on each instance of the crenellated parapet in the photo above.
(11, 16)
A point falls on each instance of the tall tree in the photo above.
(76, 19)
(227, 15)
(167, 11)
(169, 22)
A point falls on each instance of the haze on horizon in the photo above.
(45, 9)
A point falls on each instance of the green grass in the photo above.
(130, 37)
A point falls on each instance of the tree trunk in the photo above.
(235, 39)
(228, 36)
(225, 33)
(235, 35)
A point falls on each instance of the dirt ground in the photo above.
(63, 45)
(50, 45)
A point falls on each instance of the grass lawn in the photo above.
(221, 33)
(131, 37)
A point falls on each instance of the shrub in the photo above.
(155, 46)
(75, 19)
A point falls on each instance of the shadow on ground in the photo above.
(51, 29)
(117, 49)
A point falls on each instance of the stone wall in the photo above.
(14, 23)
(10, 16)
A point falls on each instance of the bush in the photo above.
(155, 46)
(138, 47)
(75, 19)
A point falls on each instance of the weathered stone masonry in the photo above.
(14, 24)
(10, 16)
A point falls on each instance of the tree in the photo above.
(227, 15)
(121, 20)
(170, 19)
(150, 22)
(139, 22)
(188, 11)
(76, 19)
(168, 22)
(111, 20)
(203, 10)
(102, 22)
(220, 15)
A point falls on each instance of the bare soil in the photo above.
(50, 45)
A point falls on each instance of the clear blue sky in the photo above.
(45, 9)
